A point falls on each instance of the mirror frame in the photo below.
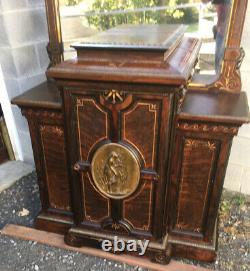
(55, 45)
(229, 79)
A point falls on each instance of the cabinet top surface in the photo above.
(212, 107)
(138, 37)
(217, 107)
(172, 66)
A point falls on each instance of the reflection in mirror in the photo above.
(205, 19)
(219, 29)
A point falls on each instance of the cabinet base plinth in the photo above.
(194, 253)
(157, 252)
(58, 224)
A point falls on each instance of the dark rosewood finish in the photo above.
(205, 126)
(42, 108)
(181, 142)
(47, 134)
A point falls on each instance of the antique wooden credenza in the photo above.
(121, 148)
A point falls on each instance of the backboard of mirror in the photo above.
(211, 21)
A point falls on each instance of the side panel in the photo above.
(195, 180)
(48, 141)
(55, 166)
(199, 164)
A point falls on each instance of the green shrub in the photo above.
(103, 22)
(70, 2)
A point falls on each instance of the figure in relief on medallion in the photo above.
(115, 170)
(115, 174)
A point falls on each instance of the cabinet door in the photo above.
(138, 122)
(199, 165)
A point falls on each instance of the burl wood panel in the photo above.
(197, 172)
(48, 142)
(92, 124)
(144, 125)
(141, 129)
(91, 128)
(140, 203)
(55, 166)
(92, 198)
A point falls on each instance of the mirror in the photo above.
(205, 19)
(72, 20)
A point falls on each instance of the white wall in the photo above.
(23, 58)
(238, 172)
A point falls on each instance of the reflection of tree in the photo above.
(188, 15)
(70, 2)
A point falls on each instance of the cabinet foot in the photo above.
(163, 257)
(72, 240)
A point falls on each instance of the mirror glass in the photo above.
(205, 19)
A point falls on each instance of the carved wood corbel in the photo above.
(230, 79)
(55, 45)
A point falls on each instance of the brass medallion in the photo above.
(115, 171)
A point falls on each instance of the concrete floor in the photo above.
(12, 171)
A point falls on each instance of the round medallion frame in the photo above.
(115, 171)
